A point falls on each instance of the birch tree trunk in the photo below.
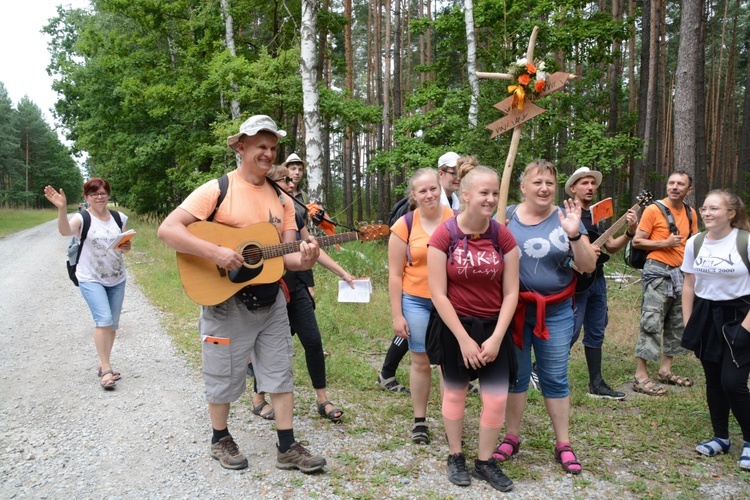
(471, 61)
(234, 105)
(688, 89)
(310, 99)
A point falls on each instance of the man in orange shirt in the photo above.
(254, 322)
(661, 309)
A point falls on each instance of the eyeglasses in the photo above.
(99, 195)
(451, 172)
(284, 179)
(710, 210)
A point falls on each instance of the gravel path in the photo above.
(61, 435)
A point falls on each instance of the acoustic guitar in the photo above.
(260, 246)
(585, 280)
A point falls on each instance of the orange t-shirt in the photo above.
(415, 276)
(655, 224)
(243, 205)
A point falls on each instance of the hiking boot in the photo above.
(457, 472)
(605, 391)
(419, 434)
(297, 457)
(534, 378)
(228, 454)
(491, 473)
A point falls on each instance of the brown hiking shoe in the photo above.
(228, 454)
(297, 457)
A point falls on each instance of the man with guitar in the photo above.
(591, 291)
(253, 322)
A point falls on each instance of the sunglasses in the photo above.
(284, 179)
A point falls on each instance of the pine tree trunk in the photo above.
(647, 95)
(688, 89)
(347, 155)
(743, 169)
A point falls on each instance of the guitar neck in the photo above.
(271, 251)
(615, 227)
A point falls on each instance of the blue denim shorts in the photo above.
(417, 313)
(551, 354)
(105, 302)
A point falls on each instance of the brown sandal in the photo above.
(108, 384)
(115, 375)
(672, 379)
(648, 387)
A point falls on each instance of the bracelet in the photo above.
(629, 234)
(575, 238)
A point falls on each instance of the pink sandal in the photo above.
(503, 455)
(568, 464)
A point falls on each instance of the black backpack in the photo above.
(398, 210)
(635, 257)
(75, 246)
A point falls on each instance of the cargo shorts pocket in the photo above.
(651, 320)
(217, 359)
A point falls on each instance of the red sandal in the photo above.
(502, 455)
(567, 464)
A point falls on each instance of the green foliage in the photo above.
(591, 147)
(32, 156)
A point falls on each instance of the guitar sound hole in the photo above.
(252, 254)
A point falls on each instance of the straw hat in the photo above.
(579, 174)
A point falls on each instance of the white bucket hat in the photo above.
(579, 174)
(293, 158)
(448, 160)
(252, 126)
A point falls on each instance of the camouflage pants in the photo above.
(659, 313)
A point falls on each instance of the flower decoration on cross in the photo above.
(528, 80)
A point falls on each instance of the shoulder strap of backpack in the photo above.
(742, 240)
(223, 187)
(84, 231)
(511, 210)
(456, 235)
(667, 215)
(116, 216)
(409, 221)
(452, 225)
(698, 243)
(689, 212)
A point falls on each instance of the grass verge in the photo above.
(12, 221)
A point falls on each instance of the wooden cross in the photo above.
(516, 117)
